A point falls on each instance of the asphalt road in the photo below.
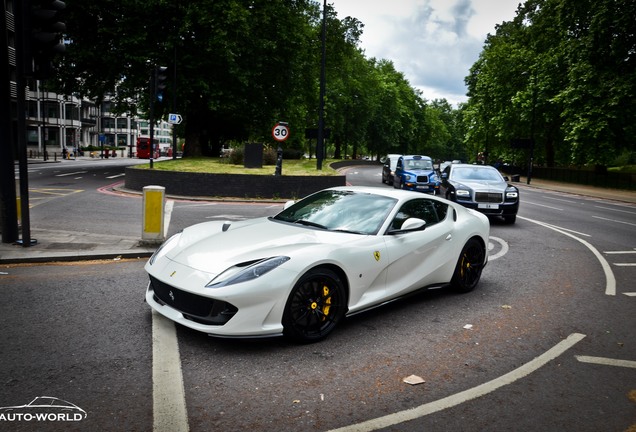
(546, 342)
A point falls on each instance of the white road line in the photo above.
(625, 264)
(466, 395)
(168, 396)
(613, 209)
(620, 252)
(565, 229)
(561, 199)
(613, 220)
(167, 215)
(542, 205)
(502, 252)
(607, 361)
(69, 174)
(610, 280)
(117, 175)
(630, 294)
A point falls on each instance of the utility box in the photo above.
(253, 155)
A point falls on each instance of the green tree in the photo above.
(561, 72)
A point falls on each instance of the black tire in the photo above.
(469, 266)
(315, 306)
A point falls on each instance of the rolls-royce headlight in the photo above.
(462, 192)
(512, 193)
(254, 270)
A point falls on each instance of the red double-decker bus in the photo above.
(143, 148)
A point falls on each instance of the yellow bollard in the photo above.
(18, 202)
(153, 214)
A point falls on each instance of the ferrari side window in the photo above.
(441, 209)
(430, 211)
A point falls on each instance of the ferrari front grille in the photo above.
(488, 197)
(422, 179)
(194, 307)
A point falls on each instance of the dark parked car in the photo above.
(388, 169)
(481, 187)
(416, 173)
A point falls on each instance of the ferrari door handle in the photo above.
(449, 237)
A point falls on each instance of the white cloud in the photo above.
(433, 42)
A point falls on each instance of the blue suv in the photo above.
(416, 173)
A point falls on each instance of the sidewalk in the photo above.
(622, 195)
(57, 245)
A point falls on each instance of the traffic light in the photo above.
(44, 36)
(160, 81)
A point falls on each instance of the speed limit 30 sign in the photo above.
(280, 132)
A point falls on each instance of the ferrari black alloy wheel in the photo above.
(469, 266)
(315, 306)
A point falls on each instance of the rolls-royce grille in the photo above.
(194, 307)
(488, 197)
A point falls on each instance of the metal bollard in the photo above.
(153, 214)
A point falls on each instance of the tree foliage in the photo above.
(562, 72)
(236, 67)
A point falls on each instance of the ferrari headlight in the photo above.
(407, 177)
(462, 192)
(238, 274)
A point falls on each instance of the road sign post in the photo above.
(280, 132)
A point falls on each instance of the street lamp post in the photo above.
(532, 121)
(320, 144)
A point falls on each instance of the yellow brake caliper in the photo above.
(465, 265)
(327, 302)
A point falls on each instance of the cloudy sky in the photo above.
(433, 42)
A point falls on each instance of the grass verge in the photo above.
(292, 167)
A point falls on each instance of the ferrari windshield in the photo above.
(334, 210)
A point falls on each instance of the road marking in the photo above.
(168, 395)
(69, 174)
(610, 280)
(607, 361)
(170, 413)
(166, 217)
(561, 199)
(620, 252)
(613, 220)
(542, 205)
(613, 209)
(466, 395)
(502, 252)
(565, 229)
(115, 176)
(625, 264)
(630, 294)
